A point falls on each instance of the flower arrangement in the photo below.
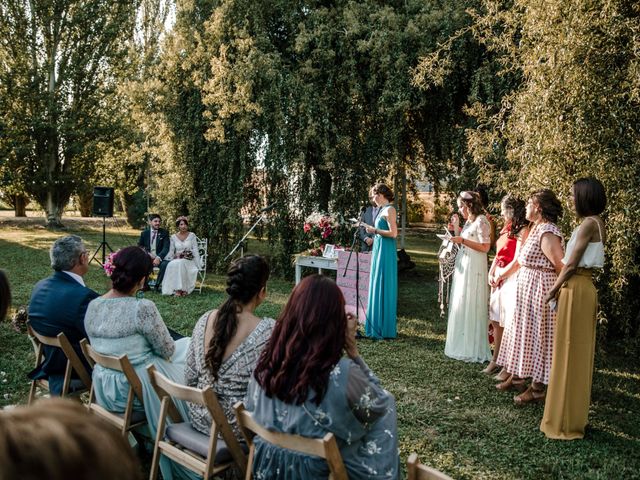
(108, 265)
(321, 229)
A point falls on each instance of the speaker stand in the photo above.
(103, 245)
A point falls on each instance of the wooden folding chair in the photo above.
(129, 419)
(70, 387)
(325, 447)
(418, 471)
(205, 455)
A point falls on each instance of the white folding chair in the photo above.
(203, 246)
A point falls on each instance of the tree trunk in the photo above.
(20, 203)
(85, 203)
(54, 209)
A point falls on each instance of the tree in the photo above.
(317, 96)
(571, 109)
(57, 68)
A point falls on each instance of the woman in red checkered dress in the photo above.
(527, 343)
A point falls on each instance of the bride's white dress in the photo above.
(468, 323)
(181, 274)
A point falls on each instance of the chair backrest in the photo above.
(125, 421)
(203, 250)
(418, 471)
(73, 360)
(325, 447)
(167, 390)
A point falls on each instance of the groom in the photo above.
(156, 242)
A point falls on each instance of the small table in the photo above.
(321, 263)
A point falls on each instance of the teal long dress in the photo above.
(383, 284)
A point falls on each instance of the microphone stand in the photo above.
(355, 242)
(240, 244)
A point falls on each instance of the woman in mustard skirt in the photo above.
(569, 393)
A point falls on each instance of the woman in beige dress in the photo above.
(569, 391)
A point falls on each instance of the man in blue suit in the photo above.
(156, 242)
(58, 304)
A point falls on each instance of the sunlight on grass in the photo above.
(448, 412)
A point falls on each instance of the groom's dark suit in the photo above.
(163, 244)
(58, 305)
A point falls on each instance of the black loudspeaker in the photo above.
(102, 202)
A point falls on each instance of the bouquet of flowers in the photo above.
(321, 229)
(186, 254)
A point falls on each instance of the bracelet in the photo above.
(375, 230)
(462, 240)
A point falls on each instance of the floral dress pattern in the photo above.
(356, 409)
(233, 375)
(527, 342)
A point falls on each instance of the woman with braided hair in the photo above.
(227, 342)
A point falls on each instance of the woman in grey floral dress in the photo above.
(303, 385)
(227, 342)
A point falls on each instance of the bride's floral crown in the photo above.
(181, 218)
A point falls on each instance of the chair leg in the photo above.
(155, 462)
(32, 392)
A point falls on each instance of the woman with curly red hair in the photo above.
(303, 385)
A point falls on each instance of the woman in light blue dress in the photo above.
(117, 324)
(303, 385)
(383, 277)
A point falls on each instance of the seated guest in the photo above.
(155, 241)
(184, 261)
(59, 439)
(120, 323)
(226, 343)
(58, 305)
(5, 295)
(303, 385)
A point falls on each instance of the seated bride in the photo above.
(182, 271)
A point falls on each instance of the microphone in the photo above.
(269, 207)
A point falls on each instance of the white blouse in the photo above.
(593, 256)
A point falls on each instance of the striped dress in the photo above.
(527, 342)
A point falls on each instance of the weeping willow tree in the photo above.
(307, 104)
(567, 80)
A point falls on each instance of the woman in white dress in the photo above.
(468, 323)
(182, 271)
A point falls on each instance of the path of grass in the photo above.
(448, 412)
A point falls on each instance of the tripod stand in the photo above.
(103, 245)
(355, 247)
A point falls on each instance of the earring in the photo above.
(140, 294)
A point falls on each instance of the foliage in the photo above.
(57, 75)
(316, 100)
(569, 108)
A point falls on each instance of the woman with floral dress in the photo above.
(527, 342)
(303, 385)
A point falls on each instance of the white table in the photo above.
(320, 263)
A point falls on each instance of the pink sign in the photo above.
(356, 273)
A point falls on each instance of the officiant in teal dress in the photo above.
(383, 277)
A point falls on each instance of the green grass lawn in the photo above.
(448, 412)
